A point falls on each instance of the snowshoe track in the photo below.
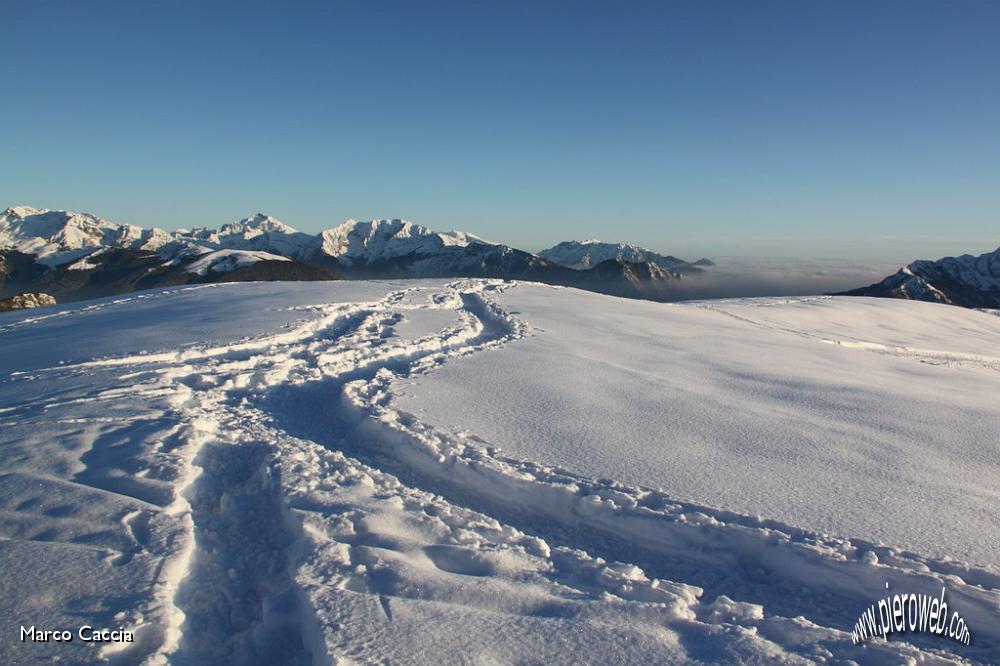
(294, 478)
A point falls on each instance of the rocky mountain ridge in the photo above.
(80, 255)
(968, 280)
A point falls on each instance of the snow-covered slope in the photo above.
(590, 253)
(275, 473)
(224, 261)
(970, 281)
(59, 237)
(789, 408)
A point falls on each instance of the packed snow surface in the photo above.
(476, 471)
(825, 413)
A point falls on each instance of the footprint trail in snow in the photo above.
(283, 510)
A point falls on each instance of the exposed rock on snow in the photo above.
(970, 281)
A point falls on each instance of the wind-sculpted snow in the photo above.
(265, 499)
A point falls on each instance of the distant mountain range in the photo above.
(74, 256)
(587, 254)
(969, 281)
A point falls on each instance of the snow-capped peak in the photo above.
(61, 237)
(354, 241)
(256, 224)
(21, 211)
(589, 253)
(56, 237)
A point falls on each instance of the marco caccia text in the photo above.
(85, 634)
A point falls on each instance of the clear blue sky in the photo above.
(856, 129)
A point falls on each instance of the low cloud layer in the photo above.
(740, 277)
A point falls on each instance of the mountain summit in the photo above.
(360, 243)
(968, 280)
(589, 253)
(58, 237)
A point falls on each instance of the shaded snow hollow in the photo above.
(307, 473)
